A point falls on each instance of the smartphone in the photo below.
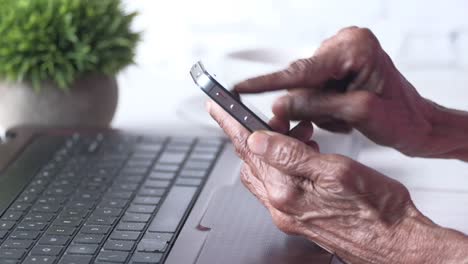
(229, 101)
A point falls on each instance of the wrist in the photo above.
(422, 241)
(448, 135)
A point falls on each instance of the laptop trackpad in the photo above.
(242, 231)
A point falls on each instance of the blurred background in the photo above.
(421, 36)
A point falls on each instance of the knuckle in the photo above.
(286, 197)
(300, 68)
(360, 43)
(338, 173)
(342, 167)
(281, 199)
(284, 224)
(363, 104)
(347, 29)
(239, 143)
(288, 154)
(365, 34)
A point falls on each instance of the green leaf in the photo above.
(61, 40)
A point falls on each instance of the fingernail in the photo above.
(258, 142)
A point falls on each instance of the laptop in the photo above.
(78, 196)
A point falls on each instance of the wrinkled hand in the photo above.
(351, 82)
(340, 204)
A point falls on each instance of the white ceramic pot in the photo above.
(91, 101)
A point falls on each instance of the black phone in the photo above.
(229, 101)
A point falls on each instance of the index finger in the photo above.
(304, 72)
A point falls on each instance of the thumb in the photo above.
(353, 107)
(284, 153)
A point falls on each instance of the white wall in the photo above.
(427, 33)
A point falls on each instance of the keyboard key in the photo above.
(152, 192)
(119, 194)
(28, 198)
(112, 256)
(6, 225)
(60, 230)
(156, 184)
(217, 142)
(166, 167)
(202, 156)
(28, 235)
(158, 236)
(46, 208)
(2, 234)
(72, 212)
(59, 191)
(107, 211)
(82, 249)
(141, 209)
(34, 226)
(124, 186)
(41, 217)
(95, 229)
(39, 260)
(146, 258)
(88, 239)
(162, 175)
(134, 170)
(152, 245)
(51, 199)
(18, 244)
(133, 162)
(181, 141)
(124, 226)
(188, 181)
(139, 218)
(193, 173)
(142, 200)
(172, 158)
(11, 253)
(11, 216)
(101, 220)
(206, 149)
(112, 204)
(19, 206)
(54, 240)
(80, 205)
(71, 222)
(75, 259)
(173, 209)
(130, 179)
(177, 148)
(148, 148)
(119, 245)
(40, 250)
(125, 235)
(197, 165)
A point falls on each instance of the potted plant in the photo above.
(59, 58)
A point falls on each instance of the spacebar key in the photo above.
(173, 209)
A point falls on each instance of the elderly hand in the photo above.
(353, 211)
(351, 82)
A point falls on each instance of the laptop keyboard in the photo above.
(107, 199)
